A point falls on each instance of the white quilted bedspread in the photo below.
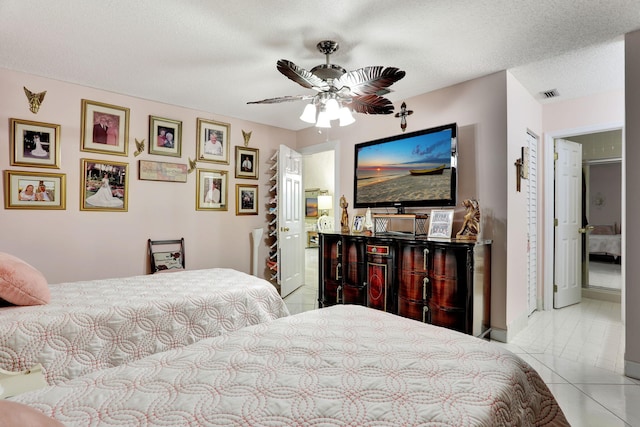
(337, 366)
(91, 325)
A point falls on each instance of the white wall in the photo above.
(524, 114)
(70, 244)
(631, 235)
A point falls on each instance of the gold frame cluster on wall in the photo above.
(104, 184)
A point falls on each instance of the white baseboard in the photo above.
(632, 369)
(506, 335)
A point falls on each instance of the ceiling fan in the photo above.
(339, 92)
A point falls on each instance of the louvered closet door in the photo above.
(532, 220)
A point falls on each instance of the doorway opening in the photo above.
(601, 145)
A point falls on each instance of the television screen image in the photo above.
(408, 170)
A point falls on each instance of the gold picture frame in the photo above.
(47, 190)
(104, 128)
(246, 199)
(105, 185)
(211, 190)
(213, 141)
(165, 137)
(34, 144)
(162, 171)
(247, 162)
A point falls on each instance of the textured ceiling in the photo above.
(216, 55)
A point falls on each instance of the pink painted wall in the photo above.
(68, 245)
(480, 109)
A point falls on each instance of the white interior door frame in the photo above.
(549, 180)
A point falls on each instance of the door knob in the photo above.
(284, 229)
(586, 229)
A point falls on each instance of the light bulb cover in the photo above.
(332, 108)
(346, 118)
(309, 114)
(323, 120)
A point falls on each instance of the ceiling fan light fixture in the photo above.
(309, 114)
(345, 116)
(323, 120)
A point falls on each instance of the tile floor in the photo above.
(577, 350)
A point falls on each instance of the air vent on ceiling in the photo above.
(551, 93)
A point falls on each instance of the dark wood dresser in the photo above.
(444, 282)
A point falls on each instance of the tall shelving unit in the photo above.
(272, 238)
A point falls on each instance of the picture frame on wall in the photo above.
(162, 171)
(311, 207)
(165, 136)
(105, 186)
(247, 162)
(441, 223)
(211, 190)
(34, 144)
(213, 141)
(34, 190)
(104, 128)
(246, 199)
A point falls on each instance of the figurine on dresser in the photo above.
(471, 225)
(344, 220)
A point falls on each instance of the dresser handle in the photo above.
(425, 310)
(425, 282)
(339, 295)
(425, 253)
(338, 271)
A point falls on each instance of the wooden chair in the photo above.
(171, 258)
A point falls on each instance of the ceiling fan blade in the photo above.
(370, 80)
(370, 104)
(282, 99)
(301, 76)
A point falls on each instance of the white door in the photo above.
(291, 220)
(568, 240)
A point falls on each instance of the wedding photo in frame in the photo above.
(247, 161)
(441, 223)
(213, 141)
(34, 190)
(104, 128)
(246, 199)
(105, 186)
(211, 190)
(34, 144)
(165, 137)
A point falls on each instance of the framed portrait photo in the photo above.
(34, 144)
(211, 190)
(104, 128)
(441, 223)
(105, 186)
(165, 137)
(246, 199)
(213, 141)
(358, 224)
(34, 190)
(247, 162)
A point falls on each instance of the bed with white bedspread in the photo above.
(97, 324)
(339, 366)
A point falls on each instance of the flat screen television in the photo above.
(416, 169)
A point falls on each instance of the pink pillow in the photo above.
(20, 283)
(14, 414)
